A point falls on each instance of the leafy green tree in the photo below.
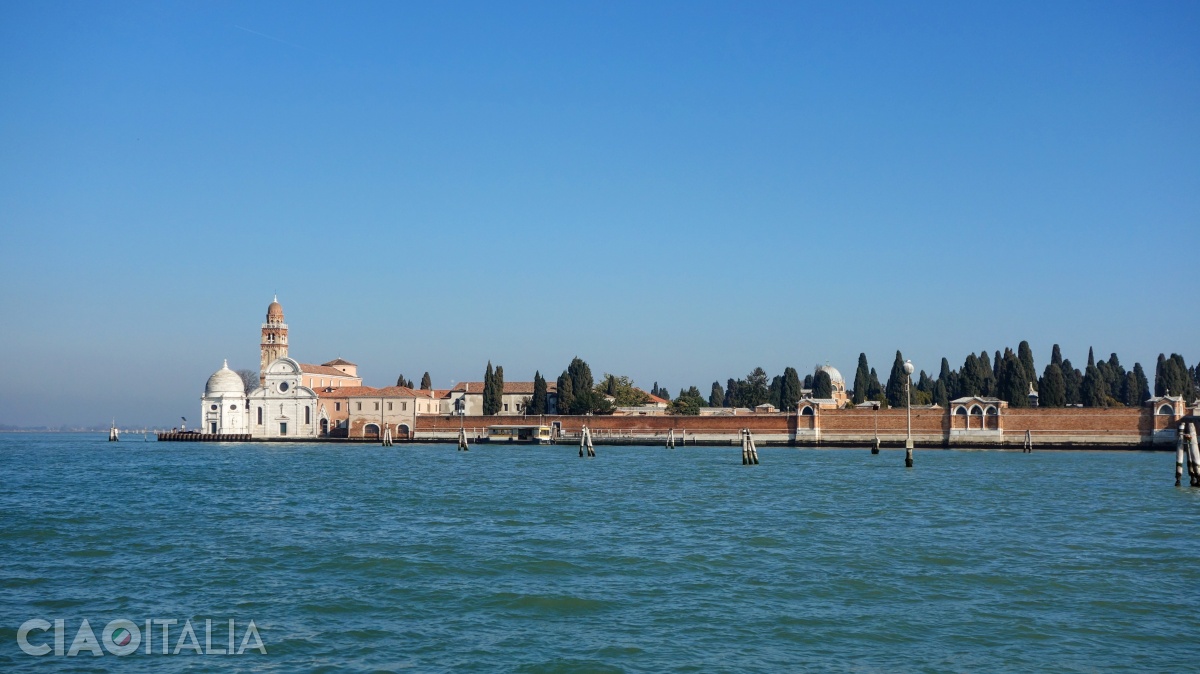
(538, 402)
(862, 379)
(717, 397)
(789, 394)
(895, 385)
(426, 383)
(822, 385)
(624, 393)
(1052, 390)
(754, 391)
(1093, 390)
(688, 403)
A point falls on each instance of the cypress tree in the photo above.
(489, 391)
(1025, 355)
(537, 405)
(566, 393)
(808, 381)
(895, 384)
(610, 385)
(498, 382)
(426, 383)
(774, 391)
(987, 375)
(1182, 378)
(1129, 391)
(969, 377)
(862, 379)
(940, 395)
(731, 393)
(1052, 390)
(1012, 385)
(1159, 382)
(998, 364)
(1143, 386)
(1056, 357)
(789, 395)
(874, 388)
(401, 381)
(1093, 390)
(822, 385)
(717, 397)
(1091, 359)
(1072, 380)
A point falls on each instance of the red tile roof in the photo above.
(324, 370)
(514, 387)
(370, 392)
(339, 361)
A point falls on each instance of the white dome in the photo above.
(834, 375)
(224, 381)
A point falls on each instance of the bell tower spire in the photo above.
(274, 338)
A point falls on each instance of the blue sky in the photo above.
(678, 192)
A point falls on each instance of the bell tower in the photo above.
(274, 338)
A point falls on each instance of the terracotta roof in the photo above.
(339, 361)
(370, 392)
(509, 387)
(309, 368)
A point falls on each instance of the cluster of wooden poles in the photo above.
(749, 451)
(1187, 451)
(387, 437)
(585, 443)
(462, 440)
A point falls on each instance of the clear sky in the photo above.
(678, 192)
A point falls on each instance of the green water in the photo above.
(415, 557)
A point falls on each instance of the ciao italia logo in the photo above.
(154, 636)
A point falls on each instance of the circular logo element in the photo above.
(121, 637)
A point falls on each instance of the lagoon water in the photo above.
(418, 557)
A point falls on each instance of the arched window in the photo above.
(977, 411)
(807, 411)
(992, 411)
(371, 431)
(961, 411)
(1166, 409)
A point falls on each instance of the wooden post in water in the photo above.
(591, 449)
(1028, 449)
(671, 439)
(1180, 453)
(462, 440)
(582, 441)
(753, 449)
(1193, 455)
(745, 449)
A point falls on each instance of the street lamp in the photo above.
(908, 443)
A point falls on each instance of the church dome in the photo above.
(224, 381)
(834, 375)
(275, 311)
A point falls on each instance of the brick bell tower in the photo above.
(274, 338)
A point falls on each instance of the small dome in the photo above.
(834, 375)
(275, 311)
(224, 381)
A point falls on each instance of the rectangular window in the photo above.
(307, 415)
(403, 407)
(260, 416)
(213, 426)
(389, 407)
(376, 407)
(358, 406)
(337, 407)
(505, 407)
(283, 428)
